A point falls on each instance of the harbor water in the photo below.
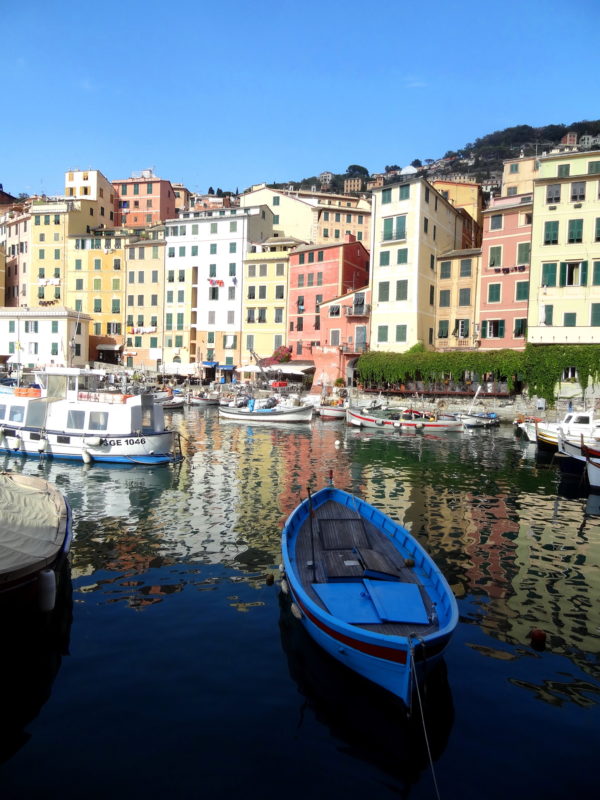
(173, 668)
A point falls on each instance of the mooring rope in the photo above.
(414, 666)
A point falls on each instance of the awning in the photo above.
(227, 366)
(109, 347)
(210, 363)
(290, 369)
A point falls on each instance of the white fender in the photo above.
(85, 455)
(46, 590)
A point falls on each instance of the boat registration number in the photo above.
(119, 442)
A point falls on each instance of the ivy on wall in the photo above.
(538, 367)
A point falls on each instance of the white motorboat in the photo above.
(70, 415)
(276, 413)
(574, 423)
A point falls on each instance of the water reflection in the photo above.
(33, 645)
(370, 724)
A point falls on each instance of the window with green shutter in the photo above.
(402, 256)
(445, 269)
(384, 292)
(401, 227)
(570, 319)
(465, 268)
(496, 256)
(523, 252)
(551, 232)
(596, 274)
(401, 290)
(575, 233)
(386, 197)
(404, 191)
(595, 315)
(548, 314)
(444, 298)
(180, 322)
(384, 258)
(563, 170)
(464, 297)
(116, 306)
(494, 290)
(169, 322)
(573, 273)
(549, 274)
(443, 328)
(388, 229)
(400, 333)
(522, 292)
(520, 328)
(382, 333)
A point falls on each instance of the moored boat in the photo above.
(331, 411)
(73, 416)
(277, 413)
(365, 590)
(35, 537)
(401, 419)
(574, 423)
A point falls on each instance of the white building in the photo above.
(203, 292)
(44, 337)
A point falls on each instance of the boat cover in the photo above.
(32, 527)
(368, 601)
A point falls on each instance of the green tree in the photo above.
(356, 171)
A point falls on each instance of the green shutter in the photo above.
(549, 275)
(388, 227)
(596, 278)
(549, 311)
(484, 329)
(595, 320)
(400, 227)
(500, 328)
(563, 273)
(584, 273)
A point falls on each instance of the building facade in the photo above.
(43, 337)
(144, 199)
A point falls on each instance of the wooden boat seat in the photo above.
(377, 565)
(342, 534)
(342, 565)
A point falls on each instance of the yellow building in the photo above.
(314, 217)
(265, 298)
(93, 185)
(457, 299)
(463, 194)
(53, 223)
(518, 175)
(564, 296)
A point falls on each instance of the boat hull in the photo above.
(332, 412)
(388, 660)
(363, 419)
(268, 415)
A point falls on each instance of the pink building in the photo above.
(319, 273)
(344, 337)
(504, 287)
(144, 200)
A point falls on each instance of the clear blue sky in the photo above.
(231, 93)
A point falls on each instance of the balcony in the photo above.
(358, 310)
(355, 349)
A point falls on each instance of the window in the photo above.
(577, 192)
(400, 333)
(97, 305)
(276, 200)
(279, 292)
(252, 270)
(54, 326)
(213, 249)
(548, 314)
(300, 304)
(595, 315)
(300, 324)
(465, 268)
(461, 328)
(404, 192)
(575, 231)
(464, 297)
(262, 292)
(549, 274)
(425, 225)
(384, 292)
(563, 170)
(212, 270)
(445, 269)
(492, 329)
(551, 232)
(520, 328)
(570, 319)
(386, 197)
(496, 222)
(511, 191)
(382, 332)
(116, 306)
(279, 315)
(553, 193)
(233, 247)
(522, 290)
(514, 168)
(523, 252)
(213, 293)
(401, 290)
(443, 326)
(384, 258)
(334, 337)
(573, 273)
(262, 270)
(494, 292)
(444, 298)
(402, 256)
(496, 256)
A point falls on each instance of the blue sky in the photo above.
(231, 93)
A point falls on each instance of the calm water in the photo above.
(175, 670)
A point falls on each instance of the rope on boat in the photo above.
(413, 665)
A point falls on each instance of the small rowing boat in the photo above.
(365, 590)
(401, 419)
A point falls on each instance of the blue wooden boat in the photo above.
(365, 590)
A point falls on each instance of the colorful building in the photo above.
(504, 292)
(265, 298)
(44, 337)
(564, 298)
(412, 226)
(456, 302)
(15, 240)
(93, 185)
(317, 274)
(144, 199)
(518, 176)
